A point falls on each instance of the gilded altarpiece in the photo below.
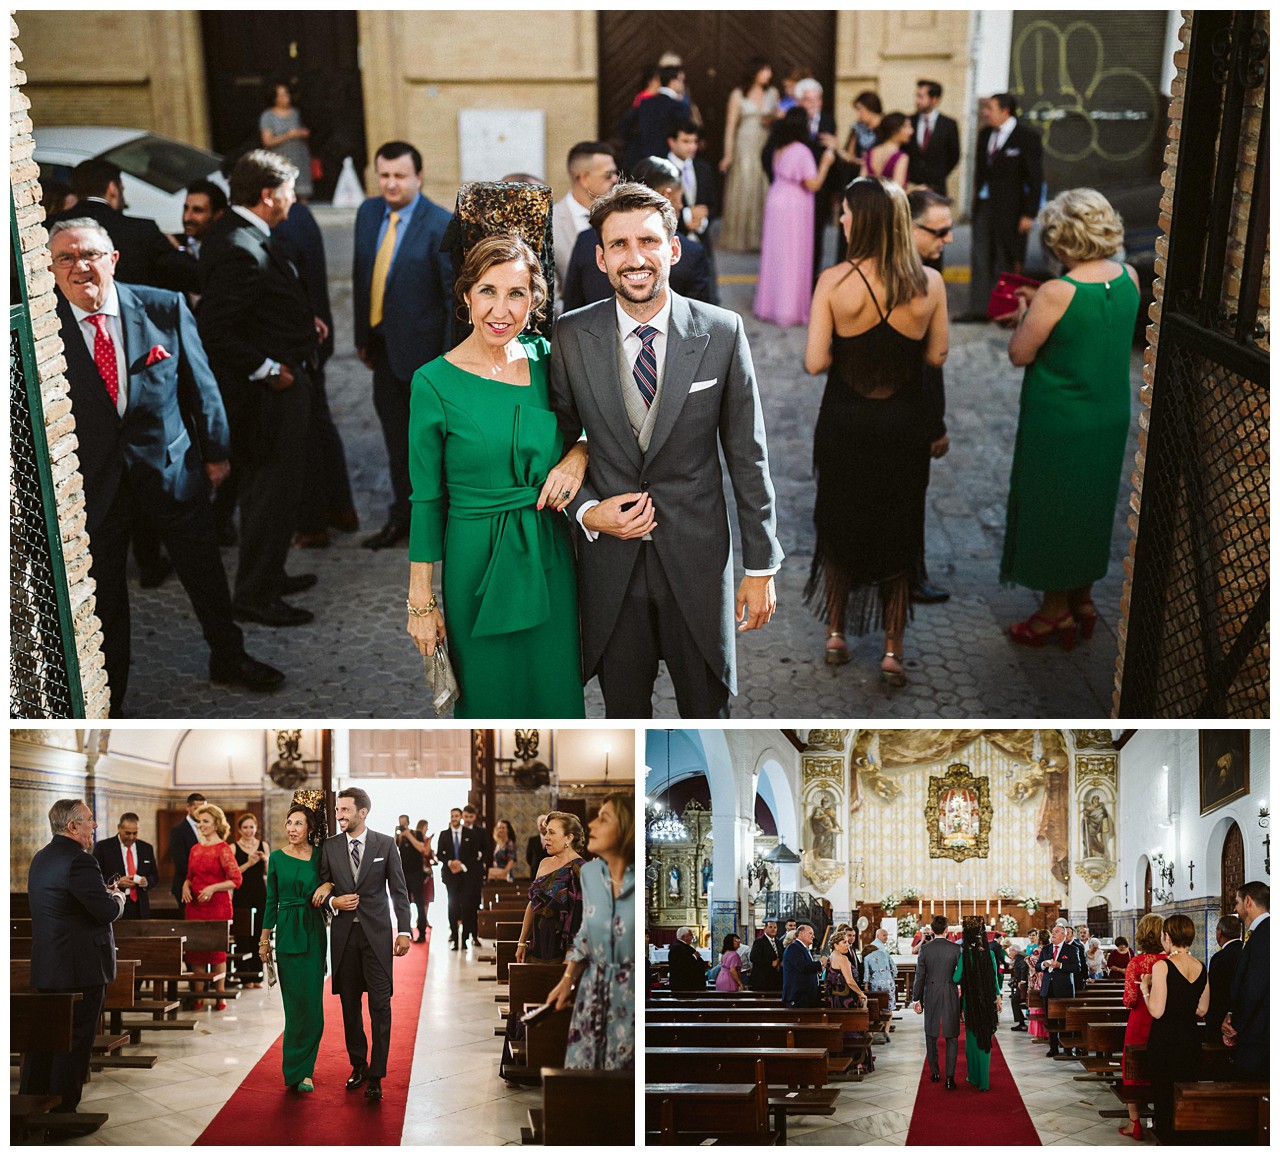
(677, 876)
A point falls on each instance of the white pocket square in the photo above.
(380, 859)
(700, 385)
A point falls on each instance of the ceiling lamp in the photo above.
(782, 854)
(662, 825)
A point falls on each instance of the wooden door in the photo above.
(715, 48)
(1232, 868)
(1146, 892)
(1098, 918)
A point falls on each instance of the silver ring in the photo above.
(564, 493)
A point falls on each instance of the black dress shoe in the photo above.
(1051, 1054)
(422, 936)
(359, 1074)
(934, 1077)
(388, 536)
(950, 1085)
(153, 575)
(274, 613)
(374, 1090)
(245, 671)
(297, 583)
(345, 521)
(924, 592)
(453, 946)
(1018, 1028)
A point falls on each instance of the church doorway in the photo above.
(1232, 867)
(716, 48)
(1146, 891)
(1098, 917)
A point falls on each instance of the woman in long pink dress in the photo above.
(785, 287)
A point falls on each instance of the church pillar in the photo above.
(731, 841)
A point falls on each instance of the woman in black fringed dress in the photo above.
(877, 319)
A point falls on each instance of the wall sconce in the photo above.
(1264, 821)
(1126, 894)
(1191, 875)
(1163, 893)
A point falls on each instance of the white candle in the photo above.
(988, 906)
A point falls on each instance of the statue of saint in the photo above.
(1095, 822)
(825, 825)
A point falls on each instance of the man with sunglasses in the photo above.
(931, 231)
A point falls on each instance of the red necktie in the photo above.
(928, 132)
(128, 851)
(104, 356)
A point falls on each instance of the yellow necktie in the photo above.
(381, 267)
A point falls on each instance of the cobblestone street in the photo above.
(355, 660)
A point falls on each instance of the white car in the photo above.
(156, 169)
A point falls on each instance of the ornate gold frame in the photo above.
(958, 776)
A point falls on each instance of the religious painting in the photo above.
(1224, 768)
(958, 814)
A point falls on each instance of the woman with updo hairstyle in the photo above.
(250, 897)
(1138, 1026)
(888, 156)
(1074, 334)
(212, 875)
(492, 473)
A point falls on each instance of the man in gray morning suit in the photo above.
(662, 385)
(937, 992)
(363, 866)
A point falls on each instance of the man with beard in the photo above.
(662, 385)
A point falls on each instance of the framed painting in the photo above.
(1224, 768)
(958, 815)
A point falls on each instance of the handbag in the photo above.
(1004, 297)
(269, 970)
(441, 680)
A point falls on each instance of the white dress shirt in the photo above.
(111, 311)
(930, 119)
(995, 142)
(568, 220)
(1254, 925)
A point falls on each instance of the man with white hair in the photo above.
(822, 136)
(686, 968)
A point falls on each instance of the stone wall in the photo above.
(59, 422)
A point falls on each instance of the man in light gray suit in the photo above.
(662, 385)
(937, 991)
(362, 866)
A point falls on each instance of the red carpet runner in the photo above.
(263, 1112)
(968, 1116)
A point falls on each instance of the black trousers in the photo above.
(471, 910)
(457, 917)
(358, 972)
(1019, 1008)
(992, 255)
(651, 626)
(64, 1073)
(328, 483)
(415, 885)
(271, 461)
(186, 529)
(931, 1054)
(391, 401)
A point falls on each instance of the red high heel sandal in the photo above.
(1136, 1134)
(1086, 615)
(1064, 629)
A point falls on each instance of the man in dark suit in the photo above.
(72, 947)
(262, 336)
(132, 863)
(766, 960)
(461, 856)
(364, 868)
(402, 297)
(646, 127)
(182, 838)
(153, 438)
(686, 969)
(800, 970)
(535, 852)
(474, 880)
(935, 994)
(1064, 974)
(701, 199)
(663, 386)
(147, 256)
(822, 136)
(1222, 974)
(935, 142)
(1008, 175)
(1248, 1024)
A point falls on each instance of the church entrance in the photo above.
(716, 48)
(1232, 867)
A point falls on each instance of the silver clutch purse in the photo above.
(441, 680)
(269, 969)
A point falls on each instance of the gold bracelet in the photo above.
(421, 611)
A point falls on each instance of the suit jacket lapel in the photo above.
(600, 354)
(685, 347)
(416, 224)
(133, 323)
(80, 362)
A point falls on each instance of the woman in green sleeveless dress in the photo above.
(292, 879)
(1074, 335)
(491, 473)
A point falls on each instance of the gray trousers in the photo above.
(931, 1054)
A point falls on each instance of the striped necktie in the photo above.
(355, 856)
(645, 369)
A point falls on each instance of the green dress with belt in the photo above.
(300, 957)
(479, 452)
(977, 1062)
(1073, 426)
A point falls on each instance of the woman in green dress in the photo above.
(293, 878)
(1075, 335)
(491, 475)
(979, 1001)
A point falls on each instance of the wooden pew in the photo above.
(697, 1113)
(112, 1039)
(762, 1035)
(583, 1107)
(42, 1021)
(1219, 1112)
(545, 1041)
(487, 921)
(198, 935)
(796, 1076)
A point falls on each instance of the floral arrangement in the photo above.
(1031, 903)
(1008, 925)
(890, 903)
(908, 925)
(910, 893)
(1006, 892)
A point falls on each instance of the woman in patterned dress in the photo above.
(212, 875)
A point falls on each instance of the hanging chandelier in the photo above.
(663, 825)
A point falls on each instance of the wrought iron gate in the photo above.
(1199, 628)
(44, 672)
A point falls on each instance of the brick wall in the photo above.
(59, 423)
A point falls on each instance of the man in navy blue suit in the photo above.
(402, 294)
(1063, 976)
(800, 970)
(1248, 1024)
(132, 863)
(72, 947)
(153, 437)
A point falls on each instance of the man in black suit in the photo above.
(132, 863)
(1222, 974)
(800, 970)
(766, 960)
(701, 201)
(686, 969)
(474, 885)
(262, 336)
(535, 852)
(935, 143)
(1008, 175)
(822, 136)
(1247, 1026)
(1063, 972)
(147, 256)
(648, 126)
(461, 854)
(935, 996)
(181, 839)
(153, 439)
(72, 947)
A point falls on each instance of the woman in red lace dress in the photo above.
(212, 875)
(1147, 941)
